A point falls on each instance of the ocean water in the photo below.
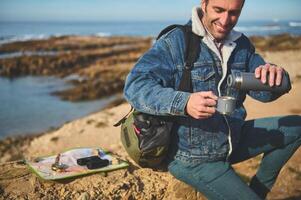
(20, 31)
(26, 105)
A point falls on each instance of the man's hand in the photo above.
(201, 105)
(275, 74)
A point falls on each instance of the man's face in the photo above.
(220, 16)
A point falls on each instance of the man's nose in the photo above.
(225, 19)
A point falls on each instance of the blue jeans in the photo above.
(277, 137)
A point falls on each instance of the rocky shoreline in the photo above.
(97, 67)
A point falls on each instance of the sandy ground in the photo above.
(134, 183)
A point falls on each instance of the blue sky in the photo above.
(118, 10)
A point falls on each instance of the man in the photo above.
(206, 143)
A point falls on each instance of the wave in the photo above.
(103, 34)
(258, 28)
(294, 24)
(15, 38)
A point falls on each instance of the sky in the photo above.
(135, 10)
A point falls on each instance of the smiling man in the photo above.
(206, 143)
(219, 17)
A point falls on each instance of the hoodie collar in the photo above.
(198, 27)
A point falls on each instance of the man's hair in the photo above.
(206, 1)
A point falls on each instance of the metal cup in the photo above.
(226, 105)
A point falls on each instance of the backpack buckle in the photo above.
(187, 66)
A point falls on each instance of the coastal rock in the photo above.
(103, 62)
(84, 196)
(12, 148)
(178, 190)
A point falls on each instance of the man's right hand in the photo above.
(201, 105)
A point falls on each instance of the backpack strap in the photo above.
(192, 51)
(169, 28)
(122, 120)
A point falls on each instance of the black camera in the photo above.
(93, 162)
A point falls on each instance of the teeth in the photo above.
(220, 27)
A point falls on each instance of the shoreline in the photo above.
(95, 66)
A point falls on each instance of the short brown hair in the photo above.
(206, 1)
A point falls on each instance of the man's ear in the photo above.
(203, 5)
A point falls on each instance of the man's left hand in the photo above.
(275, 74)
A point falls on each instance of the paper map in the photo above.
(42, 166)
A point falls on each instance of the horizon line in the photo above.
(145, 20)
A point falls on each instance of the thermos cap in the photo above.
(247, 81)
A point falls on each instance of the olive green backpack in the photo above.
(146, 137)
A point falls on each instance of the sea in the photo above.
(22, 31)
(26, 103)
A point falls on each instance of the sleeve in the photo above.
(150, 86)
(254, 61)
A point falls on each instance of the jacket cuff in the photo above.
(179, 103)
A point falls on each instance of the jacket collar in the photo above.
(198, 27)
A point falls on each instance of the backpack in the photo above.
(146, 137)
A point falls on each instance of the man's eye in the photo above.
(218, 10)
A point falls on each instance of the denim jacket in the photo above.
(151, 87)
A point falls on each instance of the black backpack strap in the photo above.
(169, 28)
(192, 52)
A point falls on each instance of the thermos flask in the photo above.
(247, 81)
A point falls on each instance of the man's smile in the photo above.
(220, 28)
